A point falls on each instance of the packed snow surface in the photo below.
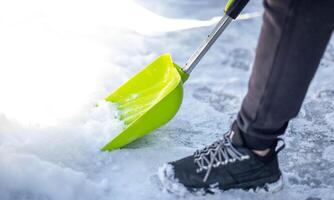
(59, 59)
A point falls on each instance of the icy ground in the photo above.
(59, 58)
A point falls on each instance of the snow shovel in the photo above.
(153, 96)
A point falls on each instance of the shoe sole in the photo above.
(170, 184)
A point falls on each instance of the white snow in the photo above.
(169, 184)
(328, 153)
(59, 59)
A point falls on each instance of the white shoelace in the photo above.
(219, 153)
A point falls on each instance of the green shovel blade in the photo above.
(148, 100)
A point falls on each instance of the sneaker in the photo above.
(223, 165)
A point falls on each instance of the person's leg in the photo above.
(292, 41)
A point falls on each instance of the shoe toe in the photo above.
(186, 174)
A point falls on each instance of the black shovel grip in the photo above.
(234, 7)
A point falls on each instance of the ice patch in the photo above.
(328, 153)
(330, 119)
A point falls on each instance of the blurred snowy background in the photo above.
(59, 58)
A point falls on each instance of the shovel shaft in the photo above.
(208, 42)
(232, 10)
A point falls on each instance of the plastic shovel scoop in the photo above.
(153, 96)
(148, 100)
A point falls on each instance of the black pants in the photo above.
(293, 39)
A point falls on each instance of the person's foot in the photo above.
(223, 165)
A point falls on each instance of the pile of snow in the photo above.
(57, 162)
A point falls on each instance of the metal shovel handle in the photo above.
(232, 10)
